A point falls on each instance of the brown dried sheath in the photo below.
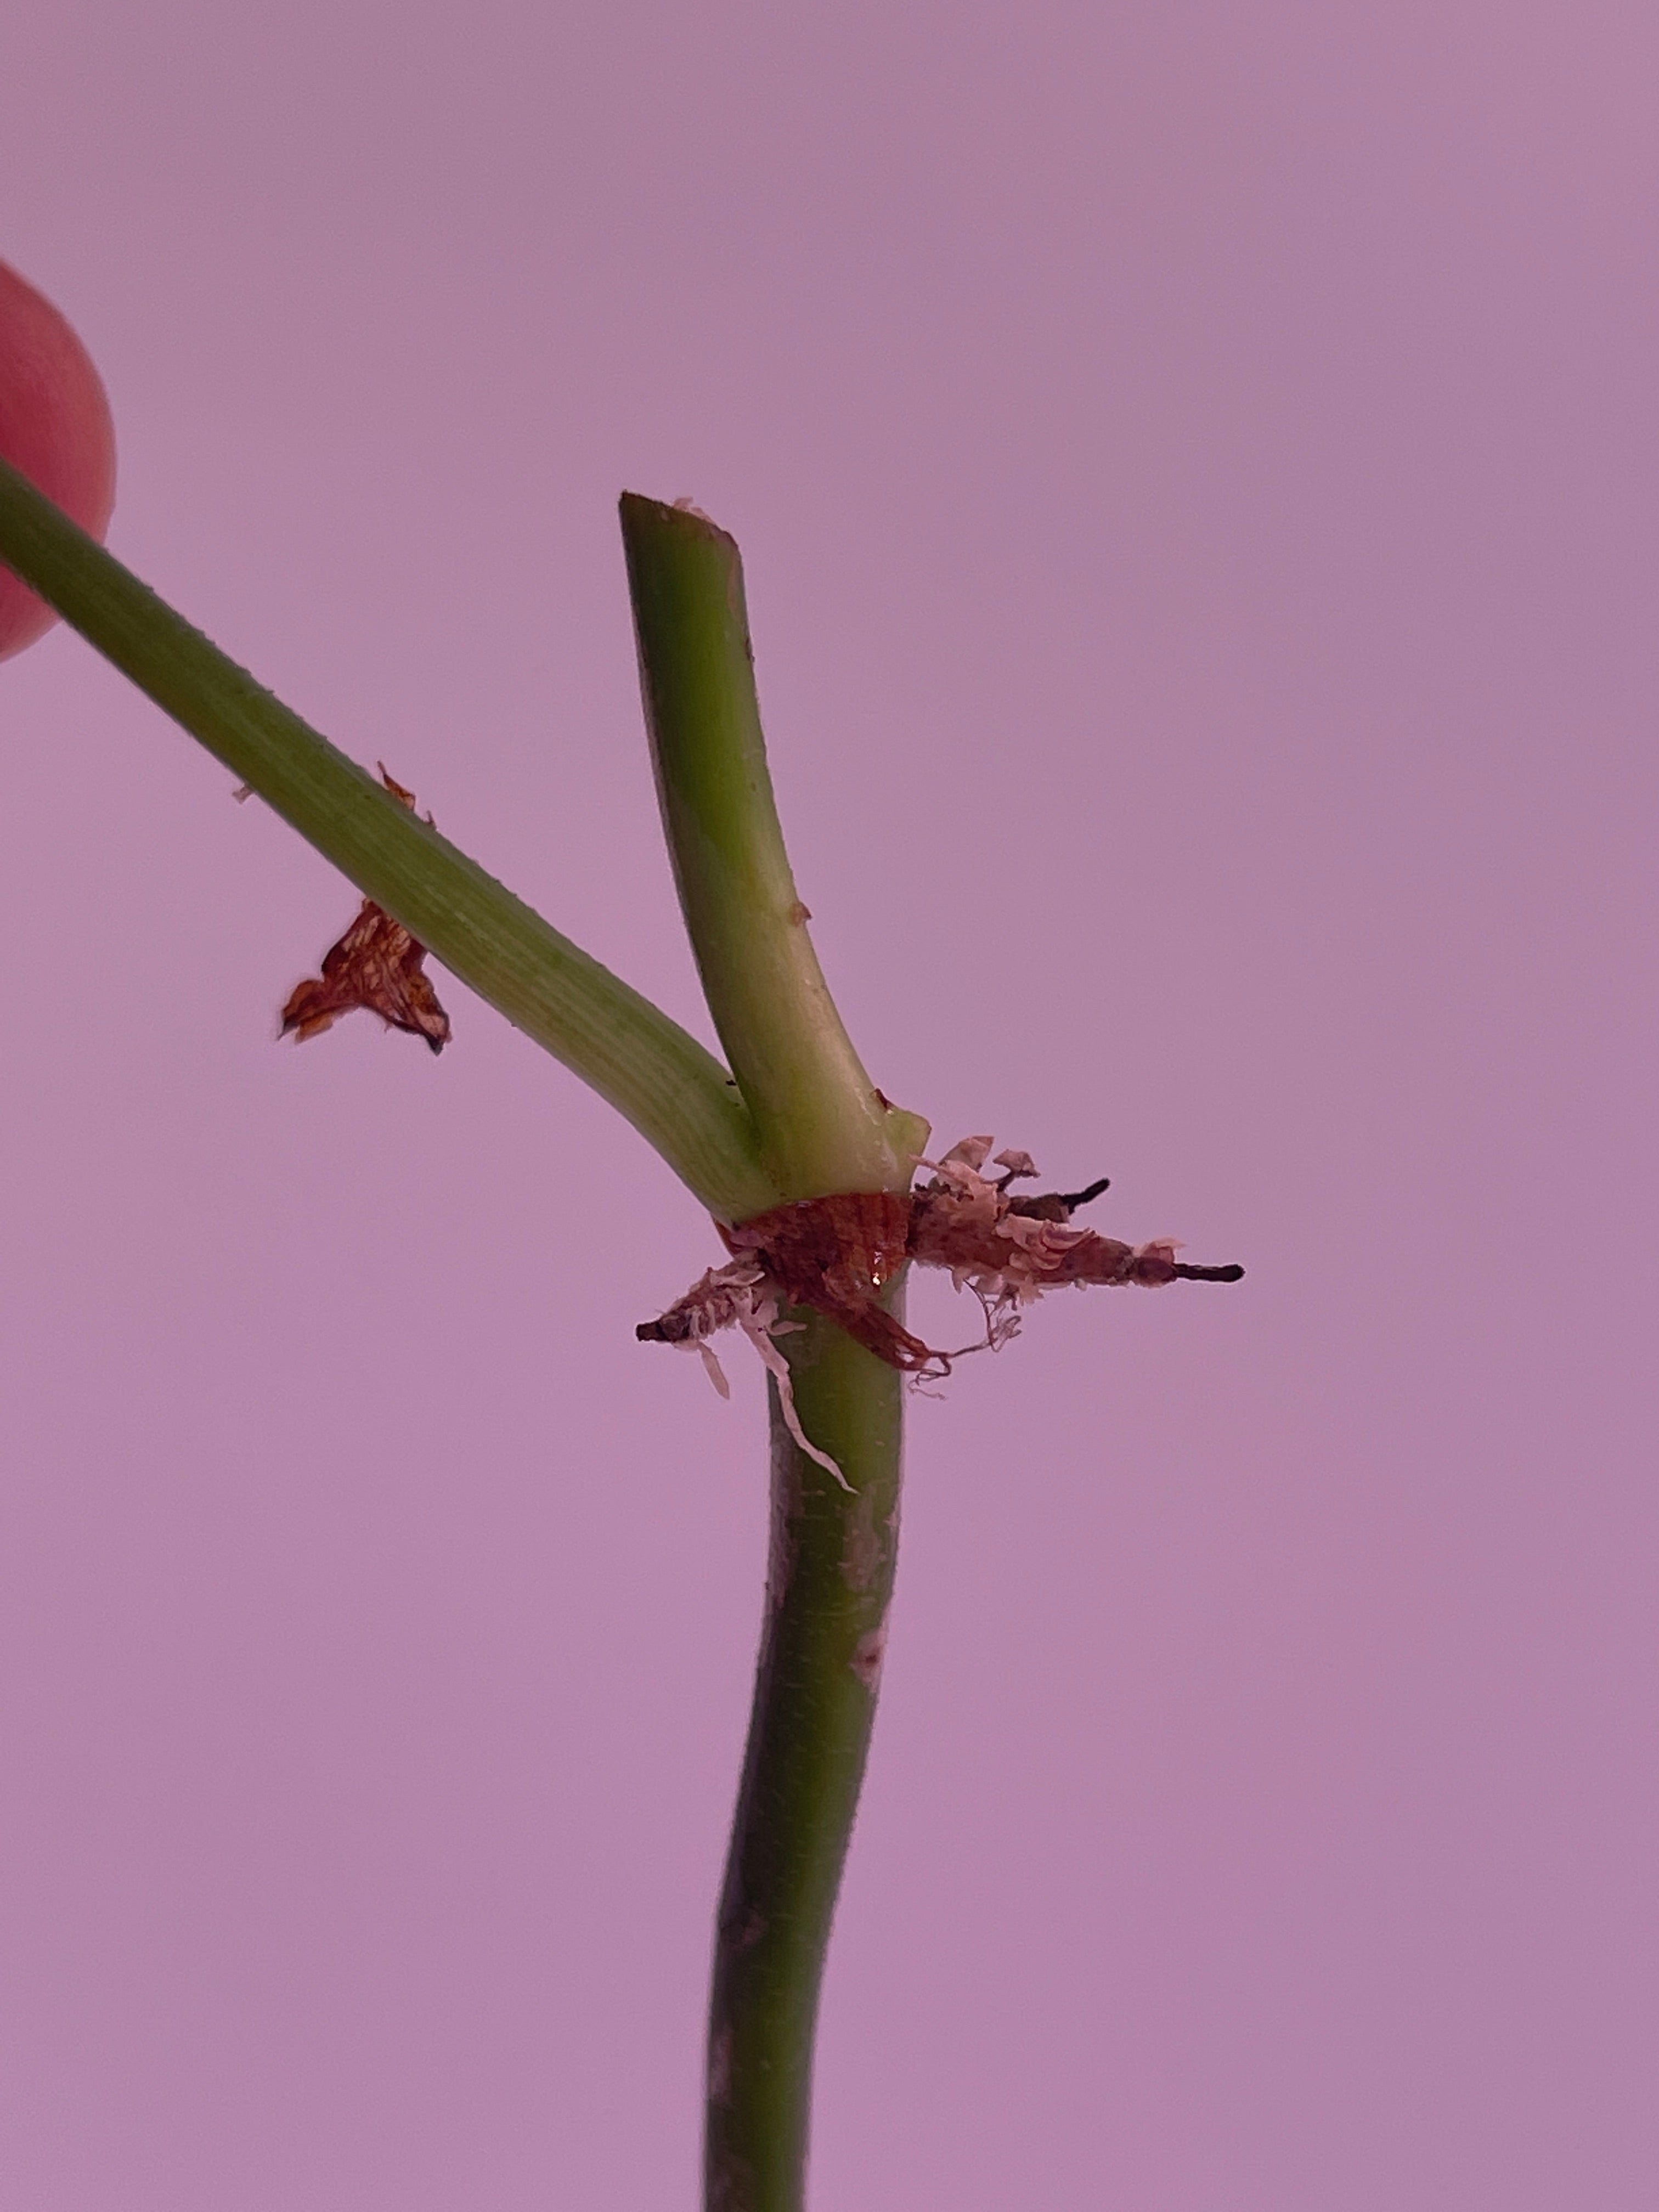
(834, 1254)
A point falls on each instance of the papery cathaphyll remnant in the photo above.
(836, 1254)
(376, 965)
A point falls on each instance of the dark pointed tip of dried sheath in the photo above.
(1072, 1200)
(1232, 1274)
(1054, 1205)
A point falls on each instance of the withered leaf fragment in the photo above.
(376, 965)
(836, 1254)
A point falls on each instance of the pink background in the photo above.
(1197, 470)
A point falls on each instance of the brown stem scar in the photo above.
(867, 1655)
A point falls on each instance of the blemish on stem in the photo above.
(720, 2067)
(868, 1654)
(788, 1497)
(862, 1555)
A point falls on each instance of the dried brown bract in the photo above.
(834, 1254)
(745, 1297)
(376, 965)
(1010, 1250)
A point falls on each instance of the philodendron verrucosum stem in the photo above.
(798, 1117)
(787, 1150)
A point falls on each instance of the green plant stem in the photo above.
(823, 1127)
(676, 1094)
(829, 1581)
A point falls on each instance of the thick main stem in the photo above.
(829, 1581)
(824, 1129)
